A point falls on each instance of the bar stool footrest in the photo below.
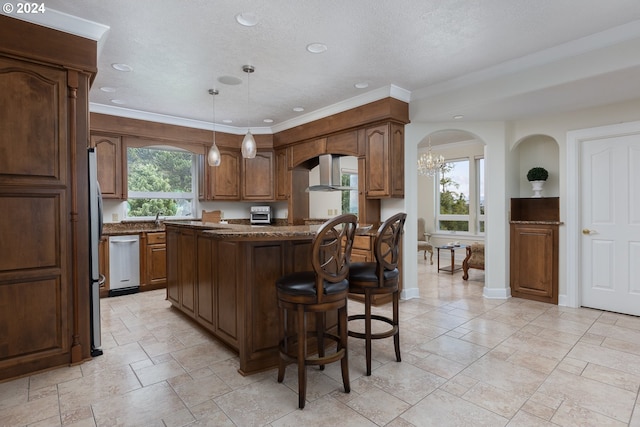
(379, 335)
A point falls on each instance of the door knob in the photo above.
(587, 231)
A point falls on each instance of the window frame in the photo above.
(191, 196)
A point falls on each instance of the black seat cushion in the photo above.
(367, 272)
(304, 283)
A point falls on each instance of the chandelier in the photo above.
(428, 164)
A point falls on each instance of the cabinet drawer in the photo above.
(156, 238)
(362, 242)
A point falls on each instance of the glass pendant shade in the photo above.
(249, 147)
(213, 155)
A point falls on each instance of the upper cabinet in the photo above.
(384, 173)
(258, 177)
(109, 156)
(224, 180)
(241, 179)
(282, 175)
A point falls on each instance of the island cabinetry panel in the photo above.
(181, 269)
(109, 157)
(385, 160)
(235, 293)
(258, 177)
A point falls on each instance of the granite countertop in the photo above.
(131, 227)
(227, 231)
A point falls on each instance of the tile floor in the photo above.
(467, 361)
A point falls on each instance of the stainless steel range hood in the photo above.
(330, 175)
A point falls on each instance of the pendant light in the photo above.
(249, 147)
(213, 156)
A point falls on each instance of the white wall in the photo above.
(505, 168)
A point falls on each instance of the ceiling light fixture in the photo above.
(316, 47)
(247, 19)
(249, 147)
(428, 165)
(213, 156)
(122, 67)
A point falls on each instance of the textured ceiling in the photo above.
(486, 60)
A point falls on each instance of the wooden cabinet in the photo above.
(110, 174)
(181, 269)
(282, 185)
(241, 179)
(258, 176)
(155, 261)
(385, 160)
(224, 180)
(534, 249)
(44, 259)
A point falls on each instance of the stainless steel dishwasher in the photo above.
(124, 264)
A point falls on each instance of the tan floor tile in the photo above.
(571, 414)
(14, 392)
(505, 376)
(443, 409)
(459, 385)
(143, 407)
(612, 377)
(160, 372)
(533, 361)
(455, 349)
(610, 358)
(525, 419)
(591, 395)
(30, 412)
(199, 390)
(54, 377)
(405, 381)
(258, 403)
(327, 412)
(378, 406)
(49, 422)
(202, 355)
(504, 403)
(441, 366)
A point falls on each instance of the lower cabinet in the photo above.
(156, 261)
(534, 262)
(181, 269)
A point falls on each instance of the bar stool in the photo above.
(322, 290)
(379, 278)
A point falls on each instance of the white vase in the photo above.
(537, 188)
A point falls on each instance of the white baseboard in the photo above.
(496, 293)
(410, 293)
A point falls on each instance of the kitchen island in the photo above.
(223, 277)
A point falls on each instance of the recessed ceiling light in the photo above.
(298, 109)
(247, 19)
(458, 116)
(316, 47)
(268, 120)
(229, 80)
(227, 121)
(108, 89)
(119, 101)
(361, 85)
(122, 67)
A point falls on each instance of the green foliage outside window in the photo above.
(152, 170)
(452, 202)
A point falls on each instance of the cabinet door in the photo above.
(258, 177)
(225, 179)
(385, 160)
(156, 266)
(534, 263)
(377, 178)
(109, 156)
(282, 176)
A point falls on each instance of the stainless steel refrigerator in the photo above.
(95, 233)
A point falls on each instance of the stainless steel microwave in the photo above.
(260, 215)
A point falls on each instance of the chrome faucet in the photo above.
(158, 218)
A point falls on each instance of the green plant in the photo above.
(537, 174)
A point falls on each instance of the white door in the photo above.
(610, 206)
